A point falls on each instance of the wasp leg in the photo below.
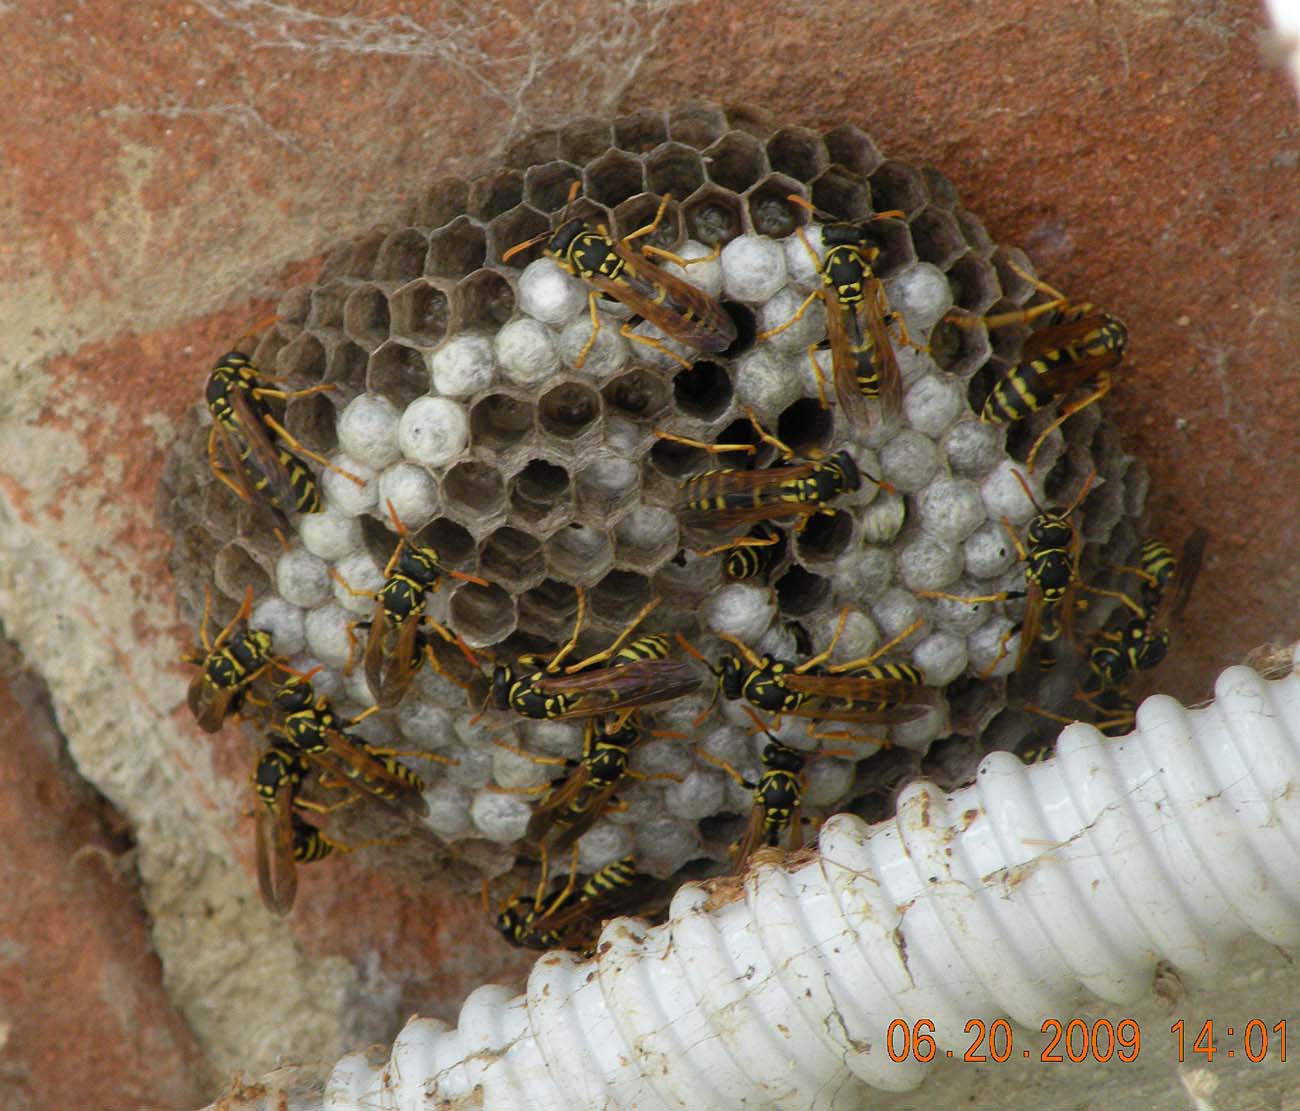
(1137, 610)
(659, 252)
(302, 449)
(221, 473)
(626, 332)
(713, 449)
(592, 299)
(649, 228)
(1003, 646)
(289, 395)
(867, 661)
(815, 295)
(553, 761)
(1125, 569)
(825, 653)
(728, 768)
(819, 375)
(786, 451)
(1103, 388)
(741, 542)
(570, 644)
(601, 657)
(904, 336)
(844, 735)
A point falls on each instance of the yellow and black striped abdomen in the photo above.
(1021, 390)
(613, 877)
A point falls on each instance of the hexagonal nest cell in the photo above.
(544, 459)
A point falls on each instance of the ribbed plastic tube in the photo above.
(1010, 897)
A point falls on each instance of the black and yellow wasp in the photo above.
(1079, 345)
(863, 364)
(228, 665)
(1142, 641)
(400, 633)
(777, 799)
(860, 690)
(727, 499)
(284, 838)
(263, 457)
(572, 917)
(615, 270)
(308, 723)
(571, 808)
(633, 675)
(1050, 554)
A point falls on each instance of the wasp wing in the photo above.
(556, 799)
(400, 667)
(673, 305)
(1177, 594)
(607, 690)
(1074, 360)
(349, 759)
(844, 365)
(1032, 624)
(277, 874)
(264, 453)
(721, 499)
(211, 704)
(872, 318)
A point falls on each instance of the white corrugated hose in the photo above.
(1007, 898)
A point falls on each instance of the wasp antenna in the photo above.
(1029, 493)
(261, 326)
(690, 649)
(524, 246)
(468, 578)
(1083, 493)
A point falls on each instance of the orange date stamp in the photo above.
(1102, 1040)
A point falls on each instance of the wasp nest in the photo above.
(457, 399)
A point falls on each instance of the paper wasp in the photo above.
(777, 798)
(1050, 554)
(727, 498)
(1078, 346)
(262, 452)
(571, 919)
(311, 727)
(411, 573)
(1143, 641)
(857, 691)
(615, 270)
(572, 807)
(228, 666)
(284, 839)
(634, 675)
(1167, 580)
(863, 363)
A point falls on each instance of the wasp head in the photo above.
(564, 237)
(1050, 530)
(294, 695)
(778, 757)
(731, 676)
(843, 235)
(503, 677)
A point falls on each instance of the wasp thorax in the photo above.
(420, 564)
